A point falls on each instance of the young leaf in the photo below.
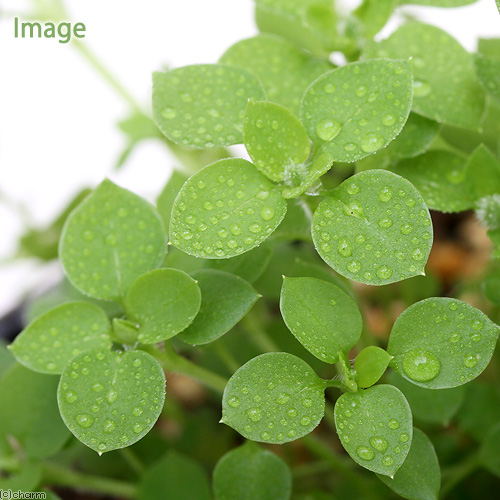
(488, 72)
(29, 412)
(274, 398)
(249, 472)
(275, 140)
(440, 177)
(375, 427)
(283, 70)
(224, 210)
(110, 400)
(482, 173)
(225, 299)
(488, 454)
(175, 477)
(439, 3)
(163, 303)
(167, 197)
(446, 88)
(358, 108)
(437, 407)
(52, 339)
(370, 365)
(109, 240)
(24, 480)
(375, 228)
(212, 96)
(248, 266)
(442, 342)
(419, 478)
(323, 318)
(374, 15)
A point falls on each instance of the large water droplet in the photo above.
(421, 365)
(371, 142)
(283, 399)
(328, 128)
(344, 247)
(385, 194)
(365, 453)
(71, 397)
(388, 120)
(84, 421)
(267, 213)
(254, 414)
(393, 424)
(470, 361)
(421, 88)
(379, 443)
(109, 426)
(233, 401)
(169, 113)
(388, 461)
(384, 272)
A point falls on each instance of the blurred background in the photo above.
(59, 110)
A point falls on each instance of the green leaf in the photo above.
(29, 412)
(442, 342)
(109, 240)
(138, 127)
(370, 365)
(125, 332)
(419, 478)
(489, 47)
(323, 318)
(482, 173)
(439, 3)
(6, 359)
(488, 211)
(359, 108)
(375, 427)
(445, 88)
(374, 15)
(440, 178)
(488, 72)
(52, 339)
(225, 299)
(275, 140)
(490, 284)
(310, 24)
(437, 407)
(284, 71)
(175, 477)
(488, 454)
(274, 398)
(24, 480)
(224, 210)
(163, 303)
(249, 473)
(248, 266)
(374, 228)
(110, 400)
(167, 197)
(202, 106)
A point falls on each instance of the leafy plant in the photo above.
(270, 270)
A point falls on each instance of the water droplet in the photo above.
(292, 412)
(305, 421)
(354, 267)
(255, 228)
(307, 402)
(254, 414)
(379, 443)
(388, 461)
(470, 361)
(476, 337)
(84, 421)
(350, 146)
(109, 426)
(385, 194)
(328, 128)
(329, 88)
(88, 235)
(110, 240)
(283, 399)
(421, 365)
(365, 453)
(169, 113)
(455, 337)
(50, 366)
(418, 254)
(361, 91)
(97, 387)
(112, 396)
(371, 142)
(266, 436)
(421, 88)
(233, 401)
(235, 229)
(344, 247)
(477, 325)
(385, 222)
(404, 437)
(388, 120)
(291, 433)
(393, 424)
(138, 428)
(406, 228)
(384, 272)
(137, 412)
(353, 189)
(267, 213)
(137, 362)
(71, 397)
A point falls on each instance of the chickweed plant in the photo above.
(275, 264)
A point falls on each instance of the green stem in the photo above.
(131, 458)
(173, 362)
(258, 335)
(347, 374)
(310, 469)
(226, 356)
(59, 476)
(457, 474)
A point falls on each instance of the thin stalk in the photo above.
(59, 476)
(173, 362)
(455, 475)
(131, 458)
(260, 338)
(226, 356)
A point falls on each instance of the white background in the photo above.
(58, 116)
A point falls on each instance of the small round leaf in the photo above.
(358, 108)
(110, 400)
(370, 365)
(323, 318)
(203, 105)
(109, 240)
(163, 303)
(375, 228)
(225, 299)
(442, 342)
(275, 140)
(224, 210)
(250, 473)
(375, 427)
(52, 339)
(274, 398)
